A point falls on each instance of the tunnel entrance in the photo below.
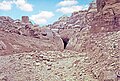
(65, 41)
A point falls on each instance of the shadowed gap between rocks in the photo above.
(65, 41)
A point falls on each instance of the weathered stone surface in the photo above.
(107, 20)
(102, 50)
(56, 65)
(109, 76)
(45, 69)
(68, 26)
(2, 45)
(100, 4)
(25, 19)
(93, 7)
(15, 43)
(87, 42)
(95, 35)
(30, 37)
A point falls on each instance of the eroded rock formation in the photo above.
(17, 37)
(107, 20)
(90, 39)
(14, 43)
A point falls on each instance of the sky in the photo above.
(41, 12)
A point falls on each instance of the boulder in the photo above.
(108, 76)
(2, 45)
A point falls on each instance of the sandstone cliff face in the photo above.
(102, 3)
(95, 43)
(76, 20)
(108, 19)
(101, 41)
(68, 26)
(105, 21)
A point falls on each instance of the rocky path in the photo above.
(49, 66)
(42, 66)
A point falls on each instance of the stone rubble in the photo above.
(58, 66)
(82, 47)
(14, 43)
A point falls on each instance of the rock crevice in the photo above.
(65, 41)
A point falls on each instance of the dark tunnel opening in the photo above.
(65, 41)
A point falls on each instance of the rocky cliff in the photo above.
(82, 47)
(107, 20)
(104, 22)
(17, 36)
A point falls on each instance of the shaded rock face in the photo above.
(65, 41)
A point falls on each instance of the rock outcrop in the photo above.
(108, 19)
(68, 26)
(102, 3)
(21, 36)
(101, 41)
(14, 43)
(25, 19)
(105, 21)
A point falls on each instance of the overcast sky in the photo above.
(41, 12)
